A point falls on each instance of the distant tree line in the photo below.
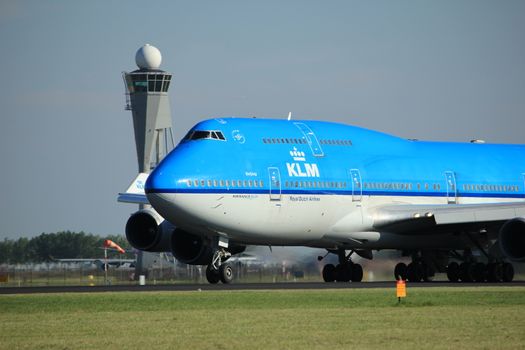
(61, 245)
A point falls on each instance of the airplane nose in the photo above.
(158, 181)
(158, 187)
(152, 182)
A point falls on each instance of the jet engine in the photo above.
(190, 248)
(512, 239)
(147, 230)
(193, 249)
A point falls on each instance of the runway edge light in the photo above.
(401, 290)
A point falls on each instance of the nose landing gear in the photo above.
(224, 274)
(219, 269)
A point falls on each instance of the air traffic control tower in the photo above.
(147, 98)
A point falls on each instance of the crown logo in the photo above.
(298, 156)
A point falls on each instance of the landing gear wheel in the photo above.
(507, 272)
(329, 273)
(414, 272)
(453, 271)
(343, 272)
(212, 275)
(347, 272)
(357, 273)
(226, 273)
(466, 272)
(400, 271)
(494, 272)
(428, 272)
(479, 272)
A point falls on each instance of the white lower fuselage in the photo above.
(295, 220)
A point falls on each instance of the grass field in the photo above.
(477, 318)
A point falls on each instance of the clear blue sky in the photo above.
(440, 70)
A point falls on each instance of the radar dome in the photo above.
(148, 57)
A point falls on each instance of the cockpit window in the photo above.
(198, 135)
(205, 135)
(219, 135)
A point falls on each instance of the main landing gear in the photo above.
(416, 271)
(424, 265)
(422, 268)
(345, 271)
(480, 272)
(472, 270)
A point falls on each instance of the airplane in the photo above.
(101, 263)
(454, 208)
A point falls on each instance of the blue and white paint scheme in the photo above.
(234, 182)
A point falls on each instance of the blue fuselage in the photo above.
(279, 157)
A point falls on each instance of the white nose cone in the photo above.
(148, 57)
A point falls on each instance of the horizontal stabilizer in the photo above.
(135, 192)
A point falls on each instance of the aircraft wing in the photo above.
(415, 219)
(135, 192)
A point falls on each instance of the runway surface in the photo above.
(240, 286)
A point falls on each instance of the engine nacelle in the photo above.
(147, 230)
(190, 248)
(193, 249)
(512, 239)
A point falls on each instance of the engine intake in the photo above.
(512, 239)
(147, 230)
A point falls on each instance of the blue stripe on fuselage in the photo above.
(327, 193)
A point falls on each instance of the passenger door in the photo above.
(523, 176)
(357, 188)
(452, 193)
(275, 183)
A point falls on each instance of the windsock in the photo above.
(110, 244)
